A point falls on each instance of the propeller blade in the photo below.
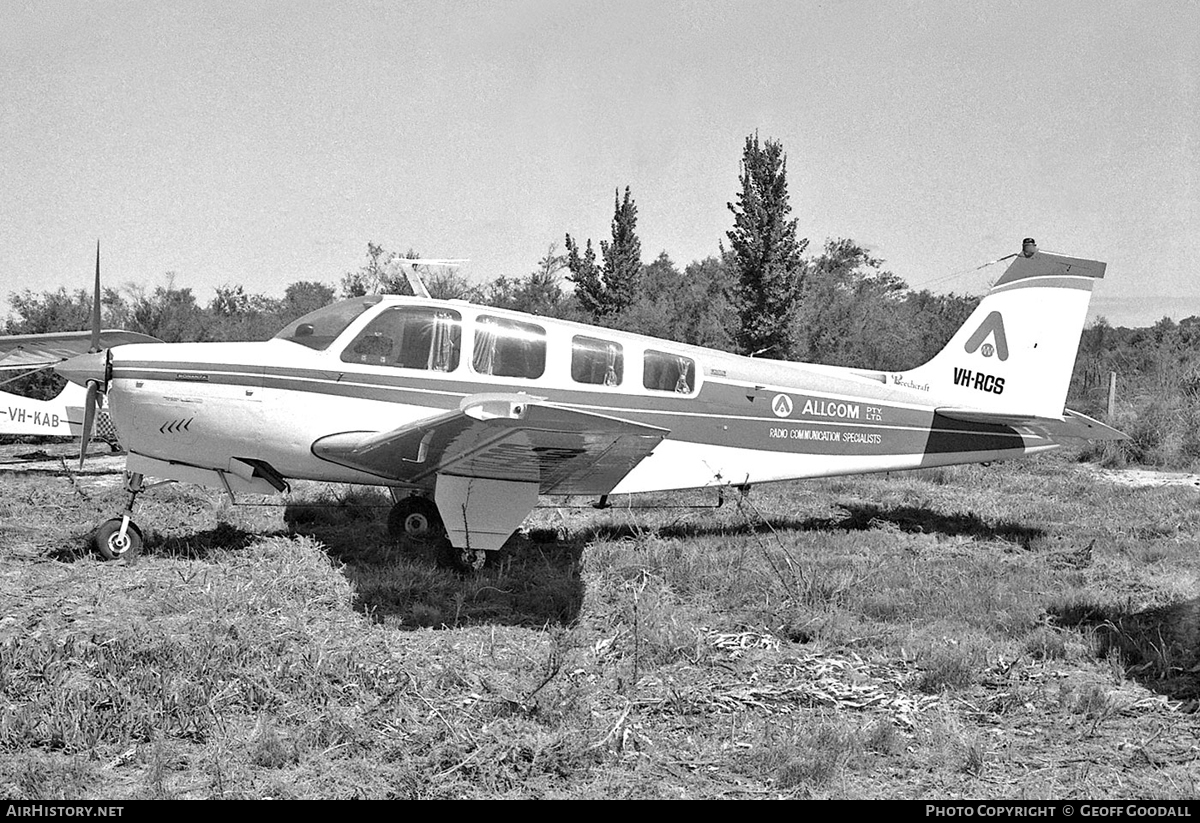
(89, 419)
(95, 342)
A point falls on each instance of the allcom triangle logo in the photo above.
(992, 326)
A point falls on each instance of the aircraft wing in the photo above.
(29, 351)
(502, 437)
(1071, 425)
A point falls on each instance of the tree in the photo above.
(235, 315)
(541, 292)
(170, 314)
(767, 257)
(933, 319)
(50, 311)
(691, 307)
(622, 257)
(586, 275)
(55, 311)
(303, 297)
(229, 301)
(850, 311)
(606, 292)
(382, 273)
(447, 284)
(709, 316)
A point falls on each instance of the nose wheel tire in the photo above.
(111, 545)
(415, 519)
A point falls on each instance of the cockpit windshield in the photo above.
(320, 328)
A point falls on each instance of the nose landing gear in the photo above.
(121, 537)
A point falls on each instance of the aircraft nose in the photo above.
(83, 368)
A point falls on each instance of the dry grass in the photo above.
(1005, 632)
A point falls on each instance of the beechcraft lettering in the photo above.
(978, 380)
(899, 380)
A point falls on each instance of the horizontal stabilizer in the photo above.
(1071, 425)
(512, 437)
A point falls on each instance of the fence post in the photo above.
(1112, 394)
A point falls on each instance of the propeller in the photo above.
(89, 419)
(93, 370)
(91, 402)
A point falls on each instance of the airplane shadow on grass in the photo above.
(530, 582)
(918, 520)
(224, 537)
(535, 580)
(857, 517)
(1159, 647)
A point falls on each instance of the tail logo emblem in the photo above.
(992, 326)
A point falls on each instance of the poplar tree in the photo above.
(766, 256)
(606, 291)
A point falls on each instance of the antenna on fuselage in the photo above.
(409, 264)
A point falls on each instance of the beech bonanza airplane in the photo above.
(468, 413)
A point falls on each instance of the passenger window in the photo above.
(669, 372)
(410, 338)
(599, 362)
(509, 348)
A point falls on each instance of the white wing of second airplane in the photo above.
(30, 351)
(61, 416)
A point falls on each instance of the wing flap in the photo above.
(502, 437)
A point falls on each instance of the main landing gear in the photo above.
(121, 537)
(415, 522)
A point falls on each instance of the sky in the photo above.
(266, 143)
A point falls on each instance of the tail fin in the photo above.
(1015, 353)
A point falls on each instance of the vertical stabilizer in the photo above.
(1015, 353)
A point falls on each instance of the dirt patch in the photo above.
(60, 459)
(1147, 478)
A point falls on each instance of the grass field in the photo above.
(1025, 630)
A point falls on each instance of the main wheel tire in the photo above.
(111, 545)
(415, 519)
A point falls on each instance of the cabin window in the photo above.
(508, 348)
(599, 362)
(319, 328)
(409, 338)
(669, 372)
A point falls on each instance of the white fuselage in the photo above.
(197, 411)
